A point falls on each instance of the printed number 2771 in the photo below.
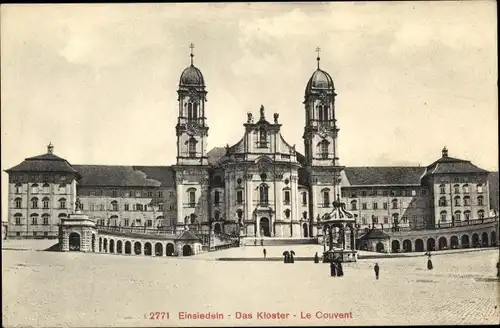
(159, 315)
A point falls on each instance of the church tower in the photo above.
(192, 131)
(320, 142)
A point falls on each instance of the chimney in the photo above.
(50, 148)
(445, 152)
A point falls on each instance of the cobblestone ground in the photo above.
(76, 289)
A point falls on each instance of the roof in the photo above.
(375, 234)
(215, 155)
(319, 80)
(383, 175)
(44, 163)
(126, 176)
(188, 235)
(192, 76)
(447, 165)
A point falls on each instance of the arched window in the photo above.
(216, 215)
(466, 201)
(190, 110)
(114, 205)
(46, 188)
(458, 215)
(480, 201)
(62, 188)
(324, 145)
(394, 204)
(34, 189)
(17, 218)
(395, 218)
(326, 197)
(286, 195)
(443, 216)
(262, 138)
(442, 201)
(34, 219)
(467, 215)
(239, 213)
(287, 213)
(62, 203)
(479, 188)
(216, 197)
(480, 214)
(442, 189)
(193, 218)
(19, 188)
(192, 197)
(34, 202)
(45, 219)
(457, 200)
(18, 202)
(195, 110)
(192, 147)
(456, 189)
(466, 188)
(354, 205)
(304, 198)
(239, 196)
(45, 202)
(263, 194)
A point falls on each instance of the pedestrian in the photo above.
(340, 270)
(255, 242)
(292, 253)
(316, 258)
(286, 255)
(265, 252)
(429, 262)
(333, 268)
(262, 242)
(377, 270)
(498, 269)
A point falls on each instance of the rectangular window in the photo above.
(363, 193)
(353, 194)
(375, 206)
(363, 206)
(45, 221)
(385, 193)
(18, 220)
(239, 196)
(115, 193)
(363, 220)
(103, 208)
(34, 220)
(160, 194)
(386, 220)
(386, 205)
(150, 194)
(160, 207)
(126, 222)
(145, 208)
(375, 220)
(137, 194)
(171, 194)
(150, 223)
(170, 207)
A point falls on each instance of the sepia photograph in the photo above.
(162, 162)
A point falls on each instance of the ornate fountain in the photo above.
(339, 234)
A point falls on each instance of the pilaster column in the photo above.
(180, 216)
(293, 202)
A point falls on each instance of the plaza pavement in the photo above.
(51, 289)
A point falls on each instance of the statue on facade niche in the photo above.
(276, 116)
(77, 204)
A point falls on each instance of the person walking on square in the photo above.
(316, 258)
(292, 254)
(498, 269)
(261, 242)
(265, 253)
(286, 255)
(429, 262)
(377, 270)
(255, 242)
(333, 268)
(340, 270)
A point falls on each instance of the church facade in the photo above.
(260, 186)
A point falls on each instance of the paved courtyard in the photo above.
(76, 289)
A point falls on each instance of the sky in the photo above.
(99, 81)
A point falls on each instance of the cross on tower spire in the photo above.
(318, 49)
(191, 46)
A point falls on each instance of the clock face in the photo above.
(323, 131)
(192, 128)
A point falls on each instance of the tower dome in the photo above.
(192, 76)
(320, 80)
